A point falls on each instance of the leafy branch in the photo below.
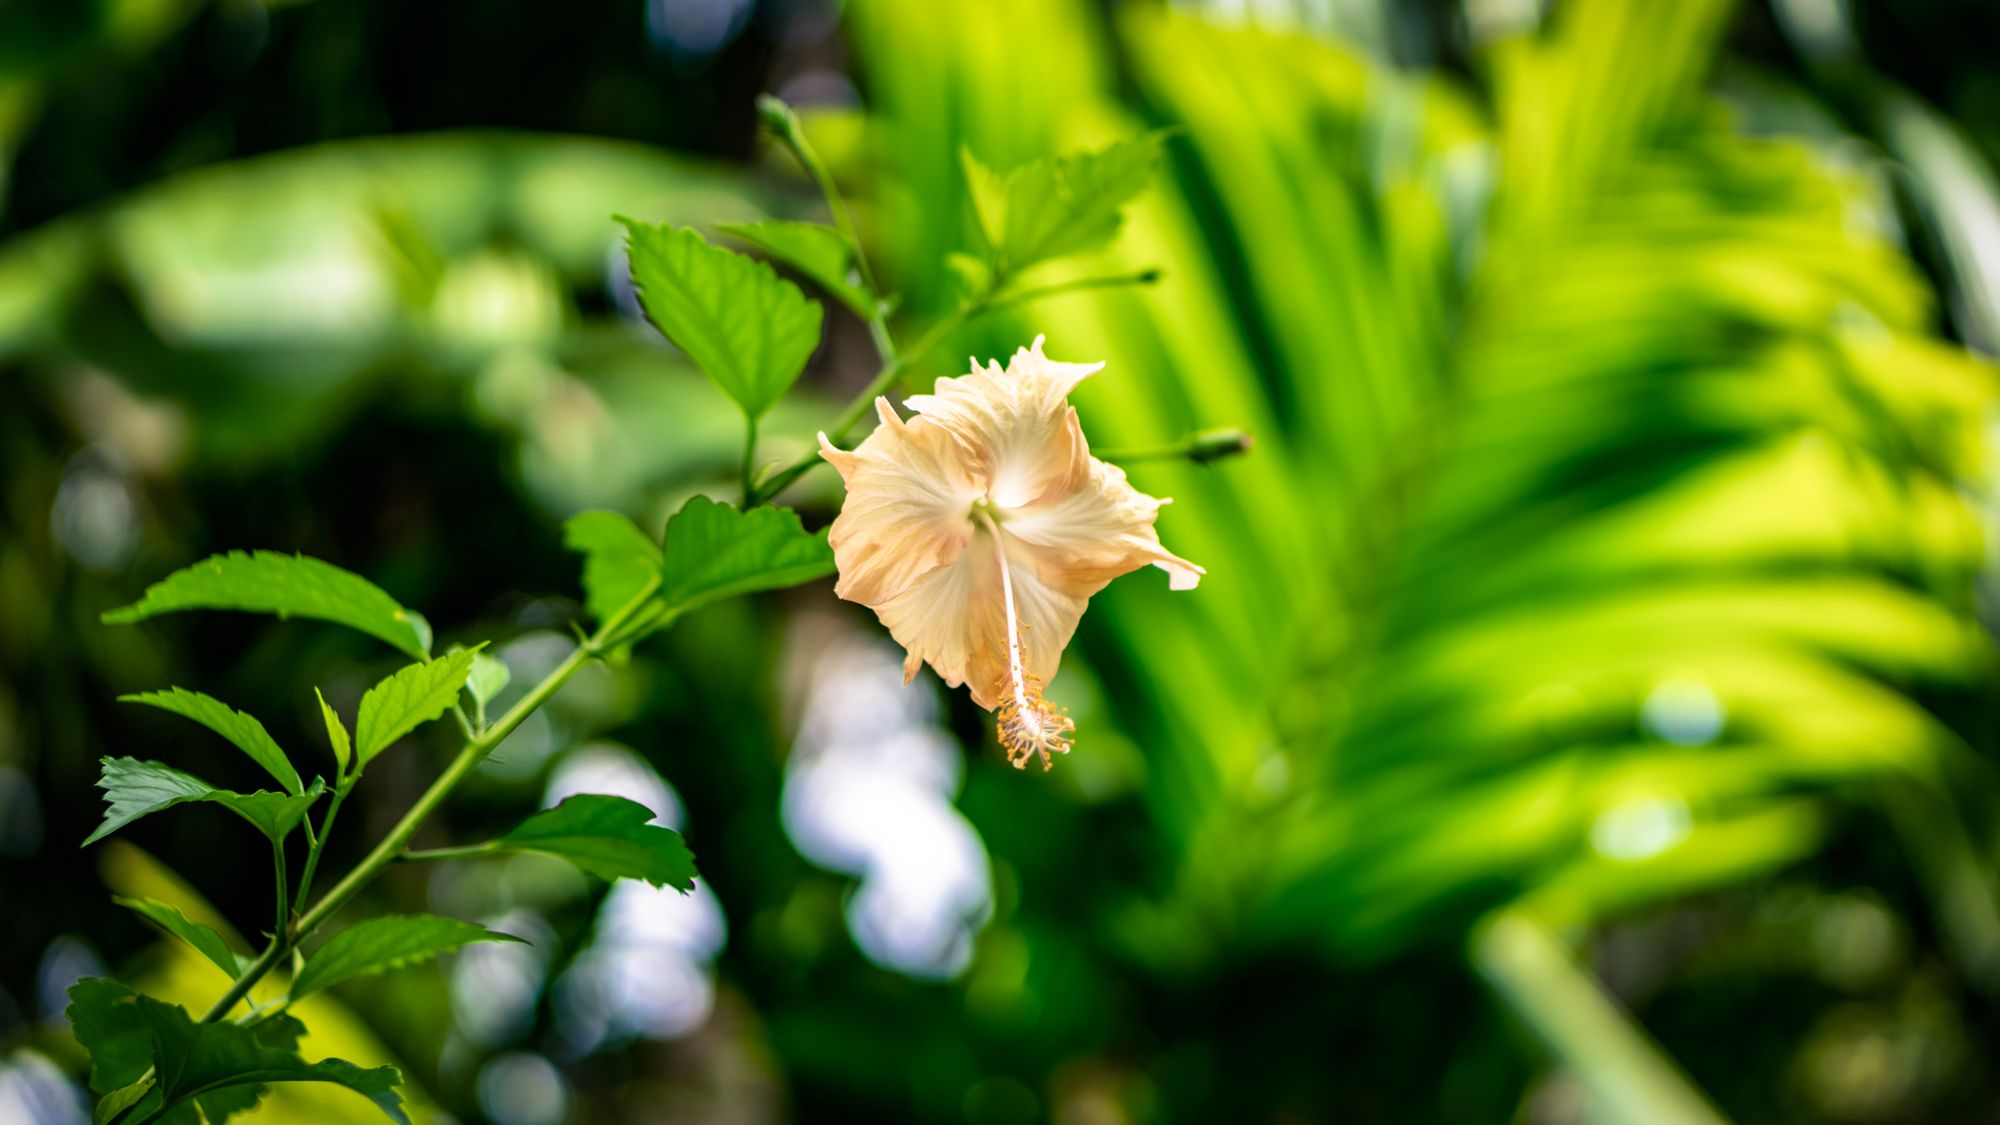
(752, 333)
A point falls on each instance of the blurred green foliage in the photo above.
(1589, 702)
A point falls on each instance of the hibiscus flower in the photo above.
(978, 530)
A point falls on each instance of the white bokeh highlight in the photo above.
(869, 793)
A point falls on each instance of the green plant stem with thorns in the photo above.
(609, 636)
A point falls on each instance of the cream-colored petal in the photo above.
(1019, 418)
(954, 619)
(910, 488)
(1082, 540)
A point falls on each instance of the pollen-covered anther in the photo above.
(1029, 725)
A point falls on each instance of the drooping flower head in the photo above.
(978, 530)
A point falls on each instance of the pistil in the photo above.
(1027, 723)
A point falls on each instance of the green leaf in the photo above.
(988, 190)
(379, 944)
(408, 699)
(205, 941)
(618, 560)
(289, 586)
(750, 330)
(488, 678)
(133, 789)
(221, 1068)
(817, 251)
(1065, 205)
(273, 814)
(120, 1046)
(280, 1032)
(244, 730)
(609, 837)
(336, 733)
(118, 1101)
(715, 551)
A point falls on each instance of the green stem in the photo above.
(1115, 281)
(885, 379)
(467, 851)
(284, 897)
(468, 758)
(783, 121)
(1143, 453)
(749, 462)
(1628, 1077)
(784, 124)
(1201, 448)
(318, 845)
(466, 726)
(993, 296)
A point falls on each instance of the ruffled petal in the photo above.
(1020, 419)
(1082, 540)
(910, 488)
(954, 619)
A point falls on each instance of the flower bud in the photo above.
(1214, 445)
(777, 116)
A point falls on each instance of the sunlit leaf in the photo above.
(618, 560)
(287, 585)
(750, 330)
(817, 251)
(608, 837)
(715, 551)
(1059, 206)
(488, 678)
(239, 728)
(406, 700)
(133, 789)
(205, 940)
(379, 944)
(336, 733)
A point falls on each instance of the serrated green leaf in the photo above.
(715, 551)
(133, 789)
(222, 1068)
(608, 837)
(280, 1032)
(273, 814)
(750, 330)
(1065, 205)
(618, 560)
(406, 700)
(817, 251)
(287, 585)
(238, 727)
(488, 678)
(379, 944)
(205, 941)
(336, 733)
